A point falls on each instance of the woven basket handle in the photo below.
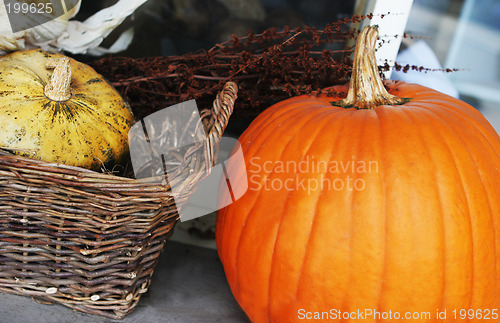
(222, 109)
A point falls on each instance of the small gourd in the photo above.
(56, 109)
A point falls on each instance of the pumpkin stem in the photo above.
(58, 88)
(366, 89)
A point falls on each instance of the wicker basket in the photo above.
(89, 240)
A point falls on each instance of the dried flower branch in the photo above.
(268, 67)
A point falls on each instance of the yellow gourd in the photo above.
(56, 109)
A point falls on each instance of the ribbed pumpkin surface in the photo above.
(418, 229)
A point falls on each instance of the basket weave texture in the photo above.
(89, 240)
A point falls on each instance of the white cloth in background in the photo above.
(63, 34)
(420, 54)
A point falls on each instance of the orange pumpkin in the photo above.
(379, 204)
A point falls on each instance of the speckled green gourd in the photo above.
(56, 109)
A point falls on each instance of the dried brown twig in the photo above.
(268, 67)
